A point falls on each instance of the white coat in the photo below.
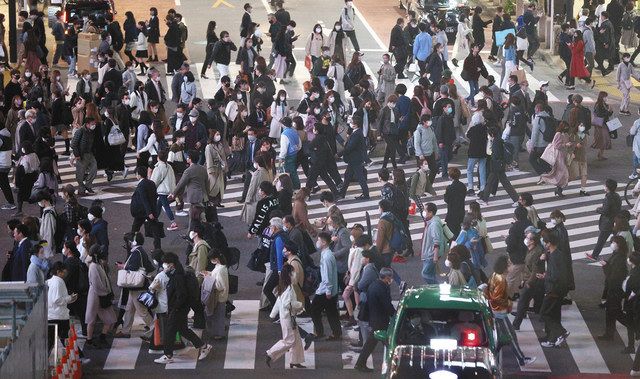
(287, 306)
(461, 47)
(277, 113)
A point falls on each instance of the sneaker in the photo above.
(91, 191)
(204, 351)
(164, 360)
(173, 226)
(182, 213)
(591, 257)
(125, 172)
(527, 361)
(85, 361)
(471, 192)
(547, 344)
(9, 206)
(633, 176)
(562, 338)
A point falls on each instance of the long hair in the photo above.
(622, 245)
(601, 96)
(509, 41)
(285, 278)
(474, 206)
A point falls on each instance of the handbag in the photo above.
(149, 299)
(258, 258)
(131, 279)
(233, 284)
(151, 226)
(307, 62)
(106, 301)
(597, 121)
(465, 75)
(116, 137)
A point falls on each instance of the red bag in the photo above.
(307, 62)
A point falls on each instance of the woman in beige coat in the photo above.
(261, 174)
(314, 44)
(220, 275)
(99, 285)
(216, 167)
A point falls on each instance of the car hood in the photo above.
(413, 361)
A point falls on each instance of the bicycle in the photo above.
(628, 189)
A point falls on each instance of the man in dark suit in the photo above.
(20, 255)
(143, 205)
(380, 311)
(398, 46)
(27, 131)
(246, 21)
(354, 155)
(154, 90)
(113, 75)
(177, 121)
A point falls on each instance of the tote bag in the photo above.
(116, 137)
(131, 279)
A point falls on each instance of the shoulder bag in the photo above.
(116, 137)
(132, 279)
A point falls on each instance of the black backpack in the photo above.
(399, 238)
(232, 256)
(193, 288)
(549, 131)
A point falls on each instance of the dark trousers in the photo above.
(570, 80)
(492, 182)
(291, 63)
(208, 59)
(319, 304)
(319, 169)
(551, 314)
(58, 53)
(613, 313)
(63, 332)
(272, 283)
(603, 236)
(360, 174)
(401, 62)
(402, 145)
(538, 165)
(6, 188)
(177, 322)
(600, 61)
(354, 40)
(332, 169)
(137, 224)
(174, 59)
(494, 47)
(367, 349)
(535, 292)
(390, 150)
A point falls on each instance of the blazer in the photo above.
(380, 307)
(611, 206)
(114, 76)
(355, 149)
(143, 200)
(194, 184)
(153, 94)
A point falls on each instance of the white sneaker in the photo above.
(182, 213)
(547, 344)
(164, 360)
(634, 373)
(8, 206)
(125, 172)
(528, 361)
(204, 351)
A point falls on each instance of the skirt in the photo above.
(601, 139)
(142, 54)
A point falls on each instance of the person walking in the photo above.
(555, 288)
(348, 20)
(530, 20)
(536, 144)
(578, 165)
(354, 155)
(99, 290)
(615, 273)
(623, 77)
(510, 59)
(497, 168)
(422, 47)
(477, 152)
(380, 311)
(611, 206)
(578, 54)
(212, 38)
(386, 80)
(221, 53)
(314, 43)
(474, 67)
(605, 44)
(533, 286)
(564, 47)
(601, 114)
(501, 306)
(454, 197)
(83, 158)
(326, 296)
(144, 206)
(496, 27)
(477, 26)
(462, 46)
(398, 47)
(556, 155)
(58, 299)
(164, 178)
(177, 310)
(445, 134)
(432, 243)
(290, 144)
(216, 161)
(286, 308)
(388, 125)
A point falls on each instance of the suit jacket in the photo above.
(26, 133)
(153, 94)
(193, 184)
(114, 76)
(355, 150)
(20, 261)
(174, 119)
(248, 155)
(143, 200)
(380, 307)
(610, 208)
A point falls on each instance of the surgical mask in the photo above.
(614, 246)
(391, 105)
(352, 239)
(92, 126)
(40, 204)
(429, 123)
(165, 266)
(179, 114)
(526, 241)
(79, 231)
(331, 100)
(318, 30)
(338, 27)
(447, 263)
(239, 96)
(181, 140)
(91, 217)
(27, 74)
(581, 128)
(106, 114)
(156, 263)
(217, 138)
(57, 78)
(331, 228)
(294, 125)
(629, 261)
(193, 119)
(278, 186)
(252, 138)
(283, 98)
(318, 245)
(449, 110)
(192, 234)
(316, 111)
(255, 165)
(185, 79)
(103, 210)
(553, 222)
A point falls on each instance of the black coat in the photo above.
(177, 291)
(477, 25)
(153, 30)
(152, 93)
(555, 280)
(114, 76)
(319, 151)
(445, 131)
(515, 241)
(477, 135)
(112, 158)
(380, 307)
(125, 121)
(397, 43)
(245, 24)
(561, 232)
(435, 67)
(355, 149)
(454, 196)
(173, 36)
(143, 200)
(611, 206)
(615, 271)
(222, 52)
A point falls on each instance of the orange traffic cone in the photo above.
(65, 367)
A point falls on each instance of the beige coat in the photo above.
(251, 201)
(314, 44)
(216, 168)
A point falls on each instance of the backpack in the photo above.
(311, 280)
(193, 288)
(628, 21)
(83, 278)
(163, 145)
(58, 235)
(549, 131)
(399, 238)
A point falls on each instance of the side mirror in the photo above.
(381, 335)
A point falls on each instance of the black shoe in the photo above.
(109, 176)
(308, 340)
(471, 192)
(584, 193)
(605, 337)
(296, 365)
(455, 62)
(90, 190)
(362, 197)
(315, 189)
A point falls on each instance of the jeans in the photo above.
(603, 236)
(534, 44)
(473, 91)
(445, 156)
(516, 141)
(429, 271)
(58, 53)
(354, 40)
(551, 314)
(330, 306)
(163, 202)
(6, 188)
(290, 167)
(538, 165)
(482, 166)
(636, 165)
(72, 64)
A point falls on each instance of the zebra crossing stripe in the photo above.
(186, 360)
(581, 343)
(123, 354)
(528, 340)
(243, 335)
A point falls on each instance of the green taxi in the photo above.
(440, 332)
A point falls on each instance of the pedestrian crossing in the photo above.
(249, 329)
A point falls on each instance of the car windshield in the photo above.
(420, 326)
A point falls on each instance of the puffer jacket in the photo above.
(164, 178)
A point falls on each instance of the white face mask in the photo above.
(318, 245)
(526, 241)
(165, 267)
(255, 165)
(106, 114)
(125, 101)
(391, 105)
(278, 186)
(239, 96)
(91, 217)
(318, 30)
(192, 234)
(629, 261)
(352, 238)
(447, 263)
(338, 27)
(331, 228)
(316, 111)
(283, 98)
(614, 246)
(217, 138)
(581, 128)
(331, 100)
(92, 126)
(27, 74)
(40, 204)
(79, 231)
(193, 119)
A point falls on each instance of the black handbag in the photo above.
(233, 284)
(106, 301)
(465, 75)
(149, 299)
(258, 258)
(151, 226)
